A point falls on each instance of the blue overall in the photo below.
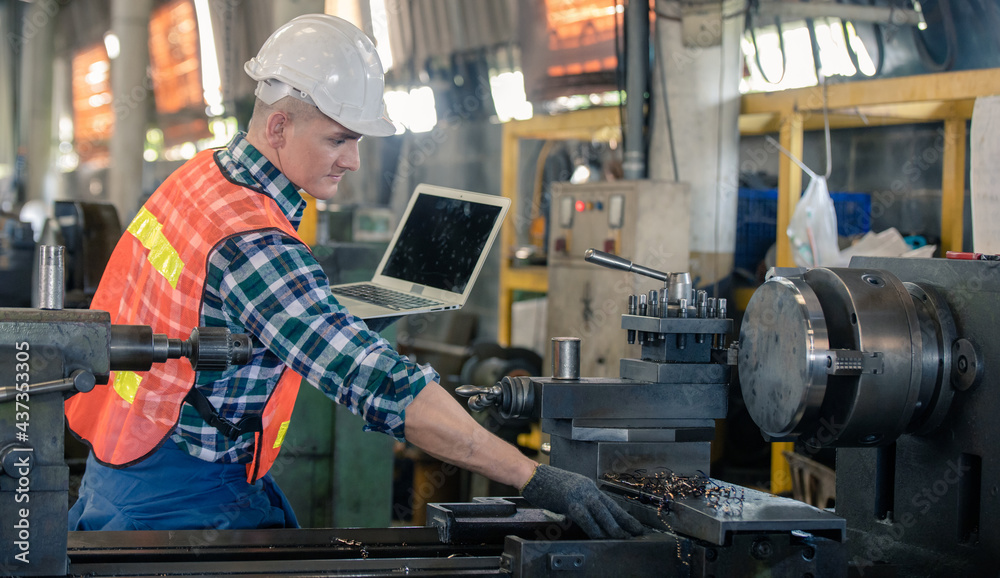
(172, 490)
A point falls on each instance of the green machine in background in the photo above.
(334, 474)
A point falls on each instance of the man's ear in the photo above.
(274, 131)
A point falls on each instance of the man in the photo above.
(216, 245)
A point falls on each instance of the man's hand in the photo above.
(579, 499)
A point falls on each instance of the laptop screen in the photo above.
(441, 242)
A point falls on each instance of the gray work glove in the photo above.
(578, 498)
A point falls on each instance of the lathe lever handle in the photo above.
(480, 398)
(615, 262)
(80, 380)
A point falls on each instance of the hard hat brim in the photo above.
(377, 127)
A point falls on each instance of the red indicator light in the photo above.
(580, 206)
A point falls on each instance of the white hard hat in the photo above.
(325, 61)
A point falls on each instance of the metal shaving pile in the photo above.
(666, 486)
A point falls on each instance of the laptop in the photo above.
(434, 257)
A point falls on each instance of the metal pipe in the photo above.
(566, 357)
(615, 262)
(770, 9)
(680, 287)
(636, 73)
(51, 276)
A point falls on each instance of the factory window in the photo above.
(509, 97)
(776, 62)
(414, 110)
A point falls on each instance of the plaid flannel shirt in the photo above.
(269, 285)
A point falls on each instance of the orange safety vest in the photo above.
(156, 277)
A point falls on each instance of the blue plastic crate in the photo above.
(757, 221)
(854, 213)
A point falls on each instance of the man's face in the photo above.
(318, 152)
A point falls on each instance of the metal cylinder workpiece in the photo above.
(679, 287)
(566, 357)
(51, 276)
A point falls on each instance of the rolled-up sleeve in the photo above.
(275, 288)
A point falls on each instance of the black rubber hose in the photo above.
(951, 41)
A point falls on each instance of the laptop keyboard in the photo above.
(388, 298)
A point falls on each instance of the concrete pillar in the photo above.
(129, 80)
(8, 123)
(35, 45)
(698, 61)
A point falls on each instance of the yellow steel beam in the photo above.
(789, 184)
(929, 111)
(509, 154)
(534, 279)
(962, 85)
(881, 115)
(759, 123)
(781, 473)
(953, 184)
(767, 123)
(582, 124)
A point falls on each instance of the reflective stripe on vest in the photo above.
(156, 277)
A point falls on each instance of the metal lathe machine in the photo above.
(888, 361)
